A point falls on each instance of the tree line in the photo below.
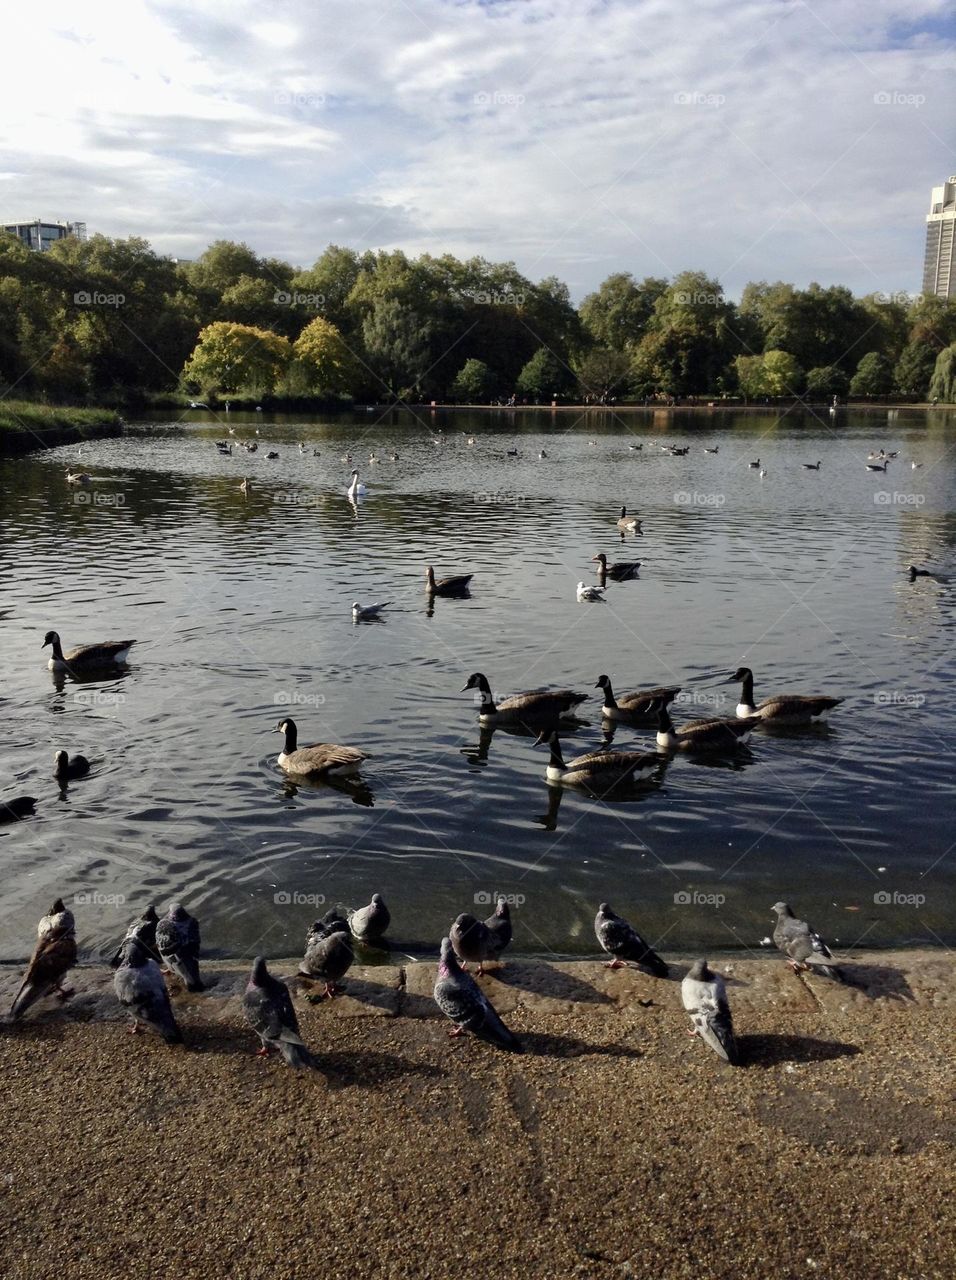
(109, 321)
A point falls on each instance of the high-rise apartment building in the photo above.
(939, 266)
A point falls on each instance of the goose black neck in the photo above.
(557, 759)
(291, 737)
(747, 689)
(609, 699)
(57, 649)
(664, 722)
(487, 697)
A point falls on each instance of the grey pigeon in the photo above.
(269, 1011)
(460, 998)
(499, 926)
(53, 955)
(704, 996)
(334, 921)
(622, 942)
(177, 940)
(804, 949)
(328, 958)
(143, 931)
(472, 942)
(368, 924)
(140, 989)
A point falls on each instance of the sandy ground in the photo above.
(615, 1146)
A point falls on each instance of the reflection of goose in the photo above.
(701, 735)
(597, 769)
(451, 586)
(323, 759)
(785, 708)
(356, 488)
(540, 704)
(86, 657)
(632, 706)
(244, 487)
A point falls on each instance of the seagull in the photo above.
(594, 594)
(364, 613)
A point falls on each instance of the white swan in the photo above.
(356, 488)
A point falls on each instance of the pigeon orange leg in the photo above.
(456, 1031)
(614, 964)
(262, 1053)
(134, 1029)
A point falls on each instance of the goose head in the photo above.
(600, 559)
(51, 637)
(477, 681)
(742, 673)
(603, 683)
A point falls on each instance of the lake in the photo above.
(241, 610)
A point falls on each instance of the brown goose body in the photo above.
(321, 760)
(536, 705)
(86, 657)
(701, 735)
(599, 770)
(451, 586)
(784, 708)
(639, 705)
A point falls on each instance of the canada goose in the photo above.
(701, 735)
(356, 488)
(53, 955)
(369, 924)
(785, 708)
(86, 657)
(454, 585)
(599, 770)
(715, 449)
(178, 943)
(620, 940)
(542, 454)
(393, 457)
(64, 769)
(807, 466)
(322, 760)
(704, 996)
(680, 453)
(252, 446)
(539, 704)
(619, 571)
(637, 705)
(919, 573)
(636, 447)
(512, 453)
(803, 947)
(894, 453)
(876, 466)
(362, 613)
(244, 487)
(626, 521)
(78, 477)
(271, 455)
(593, 594)
(316, 453)
(754, 465)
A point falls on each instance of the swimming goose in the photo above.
(77, 477)
(322, 760)
(715, 449)
(876, 466)
(86, 657)
(785, 708)
(356, 488)
(894, 453)
(704, 996)
(539, 704)
(807, 466)
(594, 594)
(754, 465)
(252, 447)
(619, 571)
(636, 447)
(65, 769)
(364, 612)
(620, 940)
(701, 735)
(450, 586)
(599, 770)
(626, 521)
(271, 455)
(512, 453)
(634, 706)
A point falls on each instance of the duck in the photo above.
(701, 735)
(636, 448)
(785, 708)
(539, 704)
(252, 446)
(454, 585)
(619, 571)
(78, 477)
(754, 465)
(271, 455)
(86, 657)
(321, 760)
(628, 522)
(715, 449)
(393, 457)
(809, 466)
(593, 594)
(876, 466)
(364, 612)
(356, 488)
(634, 706)
(599, 770)
(65, 769)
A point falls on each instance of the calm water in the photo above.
(241, 608)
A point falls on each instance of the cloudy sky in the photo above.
(753, 139)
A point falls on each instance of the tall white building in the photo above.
(939, 267)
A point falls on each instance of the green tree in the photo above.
(873, 377)
(327, 362)
(602, 373)
(943, 384)
(396, 341)
(617, 314)
(751, 376)
(914, 369)
(474, 382)
(544, 376)
(782, 374)
(691, 339)
(237, 357)
(827, 381)
(328, 283)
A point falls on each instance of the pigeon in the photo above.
(328, 957)
(53, 955)
(804, 948)
(177, 939)
(705, 998)
(142, 931)
(460, 998)
(368, 924)
(334, 921)
(472, 942)
(621, 941)
(269, 1011)
(499, 926)
(138, 983)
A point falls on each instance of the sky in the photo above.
(751, 139)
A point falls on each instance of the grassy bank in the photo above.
(25, 425)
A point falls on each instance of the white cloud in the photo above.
(749, 140)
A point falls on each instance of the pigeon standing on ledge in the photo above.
(704, 996)
(804, 949)
(460, 998)
(269, 1011)
(622, 942)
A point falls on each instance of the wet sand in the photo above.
(616, 1145)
